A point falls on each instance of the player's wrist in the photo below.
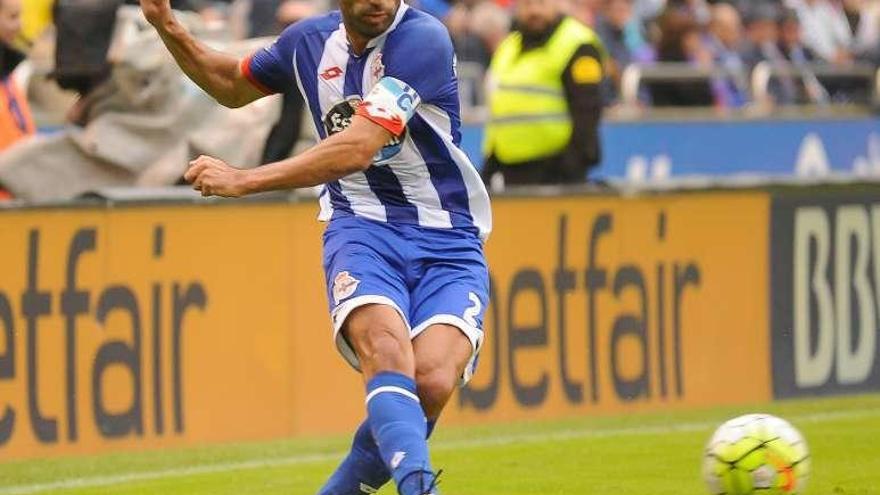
(249, 182)
(165, 23)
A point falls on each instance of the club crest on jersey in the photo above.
(339, 118)
(344, 286)
(377, 68)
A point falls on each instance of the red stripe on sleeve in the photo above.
(246, 71)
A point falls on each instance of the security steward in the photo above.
(545, 103)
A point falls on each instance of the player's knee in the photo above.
(380, 344)
(386, 349)
(380, 348)
(435, 385)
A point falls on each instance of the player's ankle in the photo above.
(419, 482)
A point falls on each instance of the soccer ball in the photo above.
(756, 453)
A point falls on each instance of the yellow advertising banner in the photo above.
(604, 305)
(154, 326)
(148, 327)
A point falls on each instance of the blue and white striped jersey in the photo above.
(404, 81)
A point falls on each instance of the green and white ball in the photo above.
(756, 453)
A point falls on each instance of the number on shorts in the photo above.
(471, 313)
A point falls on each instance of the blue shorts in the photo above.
(428, 275)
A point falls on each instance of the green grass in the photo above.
(656, 454)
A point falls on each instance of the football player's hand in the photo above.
(157, 11)
(213, 177)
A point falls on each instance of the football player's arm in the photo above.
(218, 74)
(342, 154)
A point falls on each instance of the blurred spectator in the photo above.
(621, 34)
(681, 41)
(762, 45)
(731, 89)
(208, 9)
(546, 103)
(286, 132)
(292, 11)
(15, 116)
(263, 18)
(144, 125)
(476, 28)
(826, 29)
(585, 11)
(270, 17)
(762, 34)
(83, 31)
(699, 10)
(469, 46)
(863, 17)
(647, 10)
(791, 40)
(808, 88)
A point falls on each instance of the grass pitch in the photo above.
(656, 454)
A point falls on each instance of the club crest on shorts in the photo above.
(344, 286)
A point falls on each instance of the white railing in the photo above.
(634, 76)
(637, 76)
(812, 75)
(877, 89)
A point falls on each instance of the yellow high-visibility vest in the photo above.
(529, 116)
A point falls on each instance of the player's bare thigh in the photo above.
(436, 358)
(441, 354)
(380, 338)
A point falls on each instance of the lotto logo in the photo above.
(331, 73)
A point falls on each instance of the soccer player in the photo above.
(407, 281)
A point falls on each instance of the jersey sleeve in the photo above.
(271, 69)
(419, 67)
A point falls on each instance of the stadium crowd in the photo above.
(720, 43)
(731, 36)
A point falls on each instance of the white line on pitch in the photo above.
(119, 479)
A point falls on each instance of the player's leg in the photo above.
(381, 340)
(442, 353)
(363, 285)
(447, 308)
(363, 471)
(373, 330)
